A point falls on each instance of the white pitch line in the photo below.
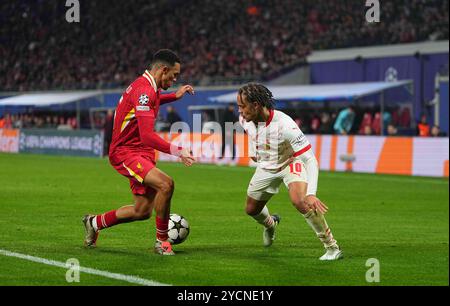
(117, 276)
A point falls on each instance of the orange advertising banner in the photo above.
(414, 156)
(9, 140)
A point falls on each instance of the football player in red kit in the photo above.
(132, 152)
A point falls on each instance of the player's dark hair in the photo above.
(165, 56)
(258, 93)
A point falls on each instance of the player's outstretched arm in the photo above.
(169, 98)
(146, 120)
(312, 172)
(155, 141)
(183, 90)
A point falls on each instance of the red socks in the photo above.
(109, 219)
(162, 229)
(106, 220)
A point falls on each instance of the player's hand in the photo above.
(183, 90)
(315, 204)
(187, 158)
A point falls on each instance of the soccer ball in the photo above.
(178, 229)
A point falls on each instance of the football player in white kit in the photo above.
(283, 154)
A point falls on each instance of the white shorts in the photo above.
(265, 184)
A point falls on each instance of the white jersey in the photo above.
(275, 142)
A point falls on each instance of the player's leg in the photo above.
(315, 219)
(261, 189)
(164, 187)
(134, 167)
(141, 210)
(258, 210)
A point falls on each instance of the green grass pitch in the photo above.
(401, 221)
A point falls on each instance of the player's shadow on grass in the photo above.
(120, 251)
(144, 251)
(251, 251)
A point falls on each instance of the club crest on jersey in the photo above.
(143, 99)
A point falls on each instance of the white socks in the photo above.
(317, 222)
(264, 218)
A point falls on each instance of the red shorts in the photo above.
(135, 167)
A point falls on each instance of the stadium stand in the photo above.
(220, 41)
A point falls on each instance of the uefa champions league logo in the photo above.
(97, 146)
(22, 141)
(391, 75)
(143, 99)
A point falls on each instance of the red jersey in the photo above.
(135, 117)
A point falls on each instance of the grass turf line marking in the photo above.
(117, 276)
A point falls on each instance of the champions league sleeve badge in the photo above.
(143, 99)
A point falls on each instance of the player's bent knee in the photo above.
(167, 186)
(249, 210)
(252, 210)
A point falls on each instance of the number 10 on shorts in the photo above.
(296, 168)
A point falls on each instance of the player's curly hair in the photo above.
(258, 93)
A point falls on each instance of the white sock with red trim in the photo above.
(317, 222)
(264, 218)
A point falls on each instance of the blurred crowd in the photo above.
(364, 121)
(351, 120)
(245, 39)
(38, 121)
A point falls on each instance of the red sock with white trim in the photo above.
(162, 229)
(105, 220)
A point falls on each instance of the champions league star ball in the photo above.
(178, 229)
